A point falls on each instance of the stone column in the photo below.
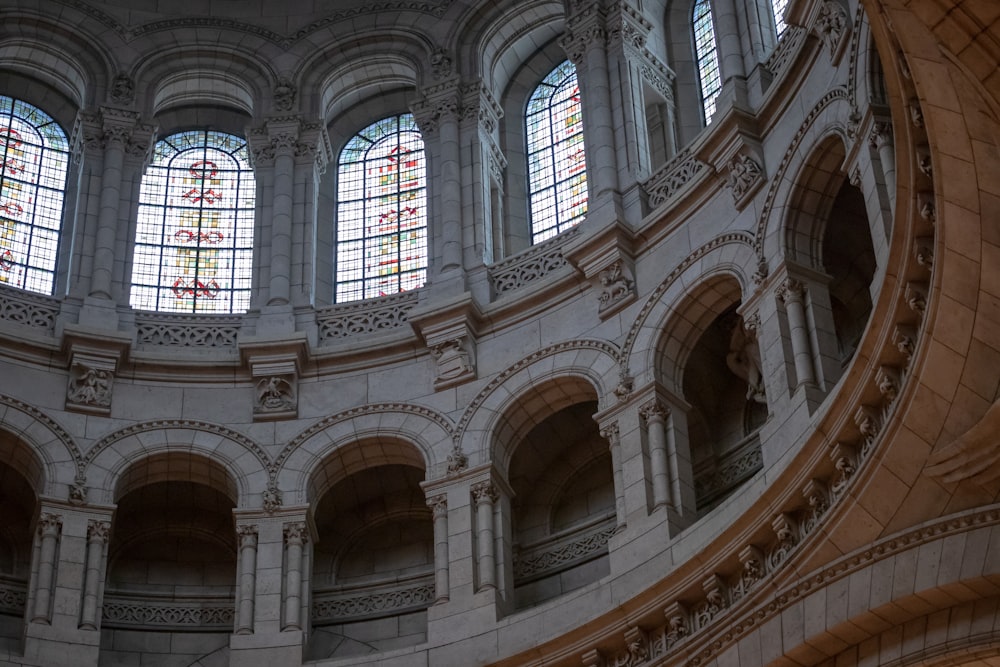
(612, 435)
(791, 292)
(727, 39)
(451, 186)
(295, 539)
(247, 537)
(881, 140)
(116, 137)
(283, 137)
(654, 415)
(49, 529)
(97, 542)
(312, 155)
(586, 45)
(485, 495)
(439, 504)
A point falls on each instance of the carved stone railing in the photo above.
(31, 310)
(155, 330)
(669, 179)
(13, 595)
(533, 264)
(337, 605)
(719, 478)
(201, 613)
(786, 49)
(564, 550)
(364, 317)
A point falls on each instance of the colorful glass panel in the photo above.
(34, 157)
(709, 75)
(557, 162)
(194, 238)
(382, 211)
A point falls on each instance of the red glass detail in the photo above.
(182, 289)
(209, 196)
(6, 133)
(6, 260)
(187, 236)
(199, 168)
(5, 208)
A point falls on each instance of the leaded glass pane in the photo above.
(778, 6)
(709, 76)
(382, 211)
(557, 165)
(194, 237)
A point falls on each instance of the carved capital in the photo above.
(98, 531)
(296, 533)
(247, 536)
(653, 412)
(485, 493)
(611, 433)
(439, 505)
(791, 291)
(49, 524)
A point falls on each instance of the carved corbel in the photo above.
(845, 460)
(916, 297)
(833, 26)
(904, 337)
(617, 287)
(744, 176)
(888, 380)
(678, 623)
(455, 361)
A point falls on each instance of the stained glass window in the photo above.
(194, 238)
(709, 77)
(382, 211)
(557, 164)
(34, 155)
(778, 6)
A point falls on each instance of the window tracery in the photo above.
(34, 157)
(557, 164)
(706, 53)
(194, 238)
(381, 245)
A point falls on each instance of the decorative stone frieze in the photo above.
(678, 623)
(532, 265)
(752, 561)
(670, 180)
(354, 606)
(817, 497)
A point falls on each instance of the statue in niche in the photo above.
(274, 394)
(743, 360)
(92, 386)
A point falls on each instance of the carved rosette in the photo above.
(89, 388)
(744, 176)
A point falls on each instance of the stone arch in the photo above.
(69, 61)
(694, 312)
(368, 450)
(585, 369)
(172, 464)
(827, 118)
(244, 460)
(731, 254)
(181, 76)
(57, 459)
(420, 437)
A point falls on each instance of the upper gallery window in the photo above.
(557, 164)
(194, 238)
(34, 155)
(381, 211)
(778, 7)
(709, 77)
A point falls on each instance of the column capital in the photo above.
(439, 505)
(98, 531)
(654, 411)
(247, 535)
(485, 492)
(49, 524)
(296, 533)
(790, 290)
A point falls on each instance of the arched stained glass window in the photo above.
(194, 238)
(382, 211)
(778, 7)
(709, 76)
(557, 163)
(34, 155)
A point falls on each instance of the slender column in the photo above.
(49, 527)
(586, 45)
(485, 495)
(97, 539)
(451, 187)
(295, 539)
(881, 140)
(283, 141)
(247, 536)
(115, 137)
(654, 414)
(439, 504)
(612, 435)
(792, 293)
(727, 36)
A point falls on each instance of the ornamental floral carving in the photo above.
(484, 493)
(744, 177)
